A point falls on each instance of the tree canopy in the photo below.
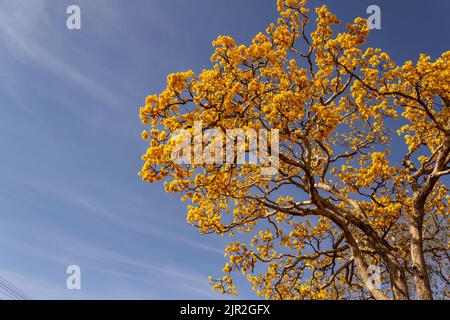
(364, 148)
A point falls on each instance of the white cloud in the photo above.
(23, 24)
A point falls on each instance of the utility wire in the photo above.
(12, 291)
(8, 293)
(23, 294)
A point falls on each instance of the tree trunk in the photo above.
(421, 278)
(398, 280)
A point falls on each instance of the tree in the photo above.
(340, 205)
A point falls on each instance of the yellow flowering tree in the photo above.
(342, 217)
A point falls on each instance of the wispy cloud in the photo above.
(132, 214)
(61, 250)
(23, 24)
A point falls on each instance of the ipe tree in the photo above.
(364, 148)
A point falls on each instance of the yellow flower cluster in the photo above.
(331, 101)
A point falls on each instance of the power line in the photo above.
(23, 294)
(12, 291)
(10, 294)
(17, 293)
(6, 294)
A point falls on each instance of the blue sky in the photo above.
(70, 136)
